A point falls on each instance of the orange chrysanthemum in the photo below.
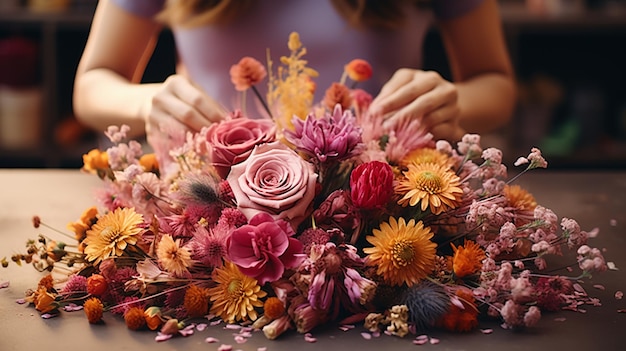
(432, 186)
(196, 301)
(519, 198)
(402, 252)
(247, 73)
(93, 308)
(236, 295)
(273, 308)
(426, 155)
(174, 258)
(461, 319)
(149, 162)
(134, 318)
(113, 232)
(95, 160)
(467, 259)
(359, 70)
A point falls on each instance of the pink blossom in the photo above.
(232, 140)
(406, 136)
(470, 145)
(117, 134)
(492, 155)
(532, 316)
(338, 210)
(333, 137)
(264, 248)
(536, 160)
(275, 180)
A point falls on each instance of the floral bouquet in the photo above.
(313, 213)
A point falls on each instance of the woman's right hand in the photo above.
(180, 104)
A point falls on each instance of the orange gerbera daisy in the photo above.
(467, 259)
(113, 232)
(402, 252)
(431, 185)
(95, 161)
(236, 295)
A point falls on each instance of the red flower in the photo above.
(359, 70)
(247, 73)
(96, 285)
(371, 184)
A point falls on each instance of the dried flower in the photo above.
(93, 308)
(196, 301)
(337, 94)
(467, 259)
(174, 258)
(96, 285)
(134, 318)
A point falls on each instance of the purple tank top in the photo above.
(208, 51)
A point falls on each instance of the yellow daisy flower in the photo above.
(402, 252)
(174, 258)
(236, 295)
(113, 232)
(430, 185)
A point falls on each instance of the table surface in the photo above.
(594, 199)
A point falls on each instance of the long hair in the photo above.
(357, 13)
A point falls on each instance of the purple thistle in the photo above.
(333, 137)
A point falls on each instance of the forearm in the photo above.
(486, 102)
(103, 98)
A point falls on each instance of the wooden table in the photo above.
(594, 199)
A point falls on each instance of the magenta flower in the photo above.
(232, 140)
(371, 184)
(333, 137)
(264, 248)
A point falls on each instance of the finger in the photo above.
(181, 111)
(406, 93)
(442, 115)
(159, 121)
(193, 96)
(399, 78)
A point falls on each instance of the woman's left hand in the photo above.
(423, 95)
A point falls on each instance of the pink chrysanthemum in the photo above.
(75, 283)
(333, 137)
(209, 246)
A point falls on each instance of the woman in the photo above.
(212, 35)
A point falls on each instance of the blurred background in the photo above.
(569, 55)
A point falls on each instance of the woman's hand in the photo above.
(180, 104)
(423, 95)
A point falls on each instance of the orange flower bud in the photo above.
(149, 162)
(247, 73)
(359, 70)
(337, 94)
(96, 285)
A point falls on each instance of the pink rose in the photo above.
(232, 140)
(264, 248)
(276, 180)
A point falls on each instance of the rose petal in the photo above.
(366, 336)
(486, 331)
(619, 295)
(225, 347)
(308, 337)
(434, 341)
(211, 340)
(4, 284)
(162, 337)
